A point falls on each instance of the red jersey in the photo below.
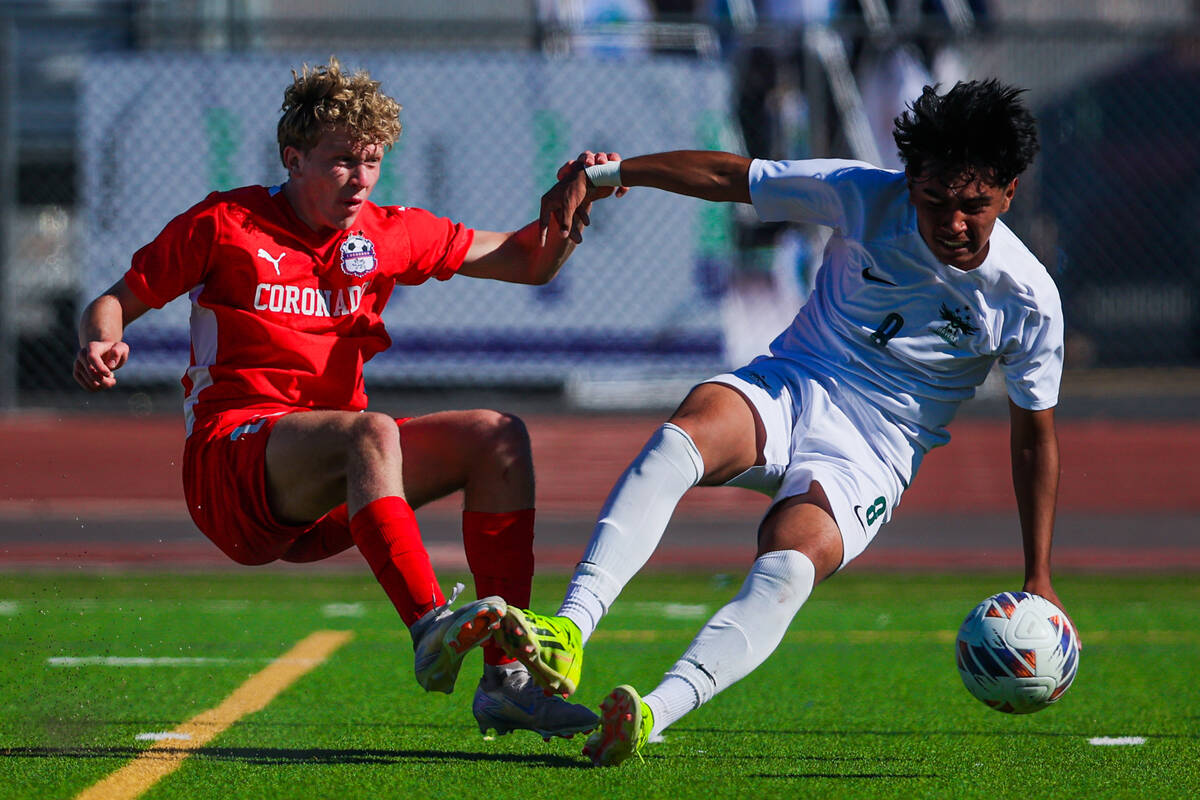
(283, 315)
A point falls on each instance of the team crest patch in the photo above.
(957, 322)
(358, 255)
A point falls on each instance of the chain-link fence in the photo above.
(107, 135)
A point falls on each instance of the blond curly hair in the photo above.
(324, 97)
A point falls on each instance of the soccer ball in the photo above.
(1017, 652)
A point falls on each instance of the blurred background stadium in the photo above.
(115, 115)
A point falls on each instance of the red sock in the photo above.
(499, 549)
(387, 535)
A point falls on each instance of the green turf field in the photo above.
(861, 700)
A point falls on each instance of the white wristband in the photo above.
(607, 174)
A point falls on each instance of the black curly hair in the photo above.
(978, 129)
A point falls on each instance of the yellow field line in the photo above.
(164, 757)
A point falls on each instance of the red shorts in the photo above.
(225, 485)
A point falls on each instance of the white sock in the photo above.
(669, 701)
(631, 524)
(738, 638)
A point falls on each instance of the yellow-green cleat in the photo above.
(551, 647)
(625, 725)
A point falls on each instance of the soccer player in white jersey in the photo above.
(922, 289)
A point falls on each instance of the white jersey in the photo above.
(911, 336)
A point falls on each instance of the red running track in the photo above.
(60, 463)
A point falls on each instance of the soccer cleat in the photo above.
(625, 724)
(551, 647)
(442, 637)
(509, 700)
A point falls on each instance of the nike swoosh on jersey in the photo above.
(858, 516)
(866, 273)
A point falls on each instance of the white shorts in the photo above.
(810, 438)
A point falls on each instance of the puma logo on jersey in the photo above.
(274, 261)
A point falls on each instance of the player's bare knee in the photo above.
(502, 437)
(724, 430)
(806, 527)
(825, 553)
(374, 433)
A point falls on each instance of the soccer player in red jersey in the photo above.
(282, 458)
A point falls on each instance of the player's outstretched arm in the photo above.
(706, 174)
(101, 330)
(1035, 472)
(527, 255)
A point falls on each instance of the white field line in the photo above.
(167, 661)
(858, 637)
(797, 637)
(162, 736)
(1110, 741)
(165, 755)
(898, 636)
(673, 610)
(343, 610)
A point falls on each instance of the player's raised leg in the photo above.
(710, 438)
(629, 528)
(799, 544)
